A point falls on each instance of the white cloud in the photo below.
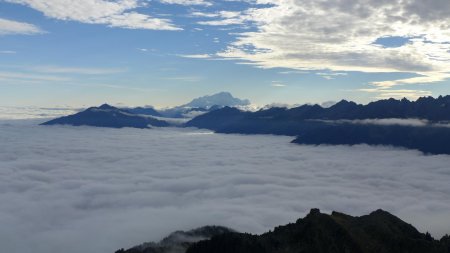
(195, 56)
(32, 112)
(331, 75)
(222, 18)
(9, 27)
(111, 13)
(8, 52)
(30, 77)
(77, 70)
(187, 2)
(112, 188)
(339, 36)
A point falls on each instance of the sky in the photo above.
(64, 53)
(116, 188)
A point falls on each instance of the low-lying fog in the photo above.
(94, 190)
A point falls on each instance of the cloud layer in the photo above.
(95, 190)
(112, 13)
(341, 36)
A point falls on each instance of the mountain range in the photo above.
(194, 108)
(421, 124)
(345, 123)
(378, 232)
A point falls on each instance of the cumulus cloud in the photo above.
(340, 36)
(96, 190)
(187, 2)
(9, 27)
(111, 13)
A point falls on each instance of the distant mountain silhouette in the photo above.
(204, 104)
(218, 99)
(179, 241)
(378, 232)
(315, 124)
(195, 107)
(107, 116)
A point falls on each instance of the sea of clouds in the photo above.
(33, 112)
(94, 190)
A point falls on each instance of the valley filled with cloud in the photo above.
(66, 189)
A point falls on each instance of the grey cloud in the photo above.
(95, 190)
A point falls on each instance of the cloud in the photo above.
(96, 190)
(32, 112)
(277, 84)
(30, 77)
(331, 75)
(195, 56)
(8, 52)
(339, 36)
(77, 70)
(221, 18)
(112, 13)
(187, 2)
(386, 93)
(10, 27)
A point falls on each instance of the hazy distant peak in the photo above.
(219, 99)
(106, 107)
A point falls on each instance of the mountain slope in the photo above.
(179, 241)
(428, 139)
(107, 116)
(378, 232)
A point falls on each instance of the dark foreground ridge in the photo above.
(178, 241)
(378, 232)
(107, 116)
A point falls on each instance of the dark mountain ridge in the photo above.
(316, 125)
(179, 241)
(107, 116)
(378, 232)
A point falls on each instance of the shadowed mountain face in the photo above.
(178, 241)
(378, 232)
(432, 139)
(107, 116)
(316, 125)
